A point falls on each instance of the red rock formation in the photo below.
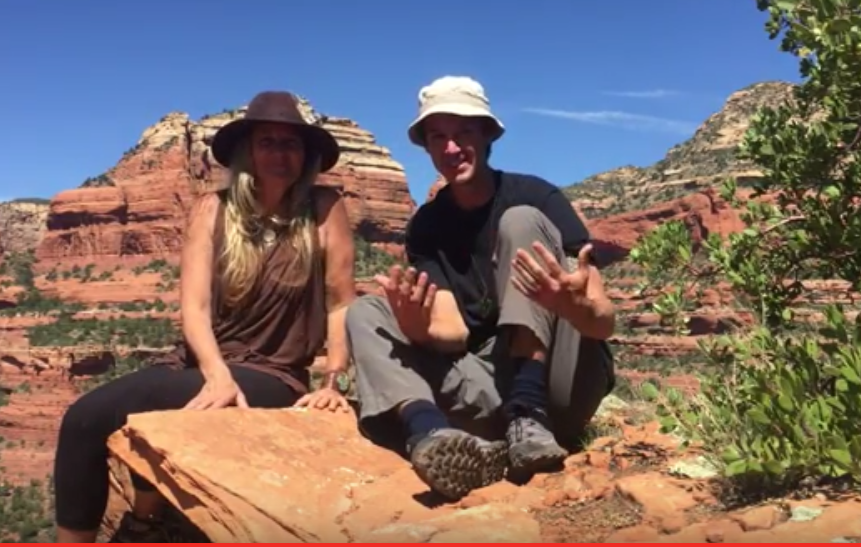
(29, 420)
(138, 206)
(703, 212)
(338, 487)
(8, 293)
(375, 188)
(355, 502)
(124, 285)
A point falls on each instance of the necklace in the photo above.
(487, 300)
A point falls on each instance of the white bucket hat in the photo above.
(457, 95)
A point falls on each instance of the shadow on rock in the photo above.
(93, 365)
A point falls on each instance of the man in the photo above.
(458, 334)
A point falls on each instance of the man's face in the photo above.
(457, 145)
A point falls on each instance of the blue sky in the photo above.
(581, 86)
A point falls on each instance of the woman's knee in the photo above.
(86, 417)
(103, 410)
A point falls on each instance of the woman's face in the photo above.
(277, 154)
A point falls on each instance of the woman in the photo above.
(267, 274)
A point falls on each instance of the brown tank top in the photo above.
(281, 329)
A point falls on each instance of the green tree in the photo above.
(781, 402)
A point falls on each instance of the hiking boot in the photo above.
(532, 448)
(135, 530)
(454, 463)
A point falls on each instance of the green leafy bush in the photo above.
(781, 403)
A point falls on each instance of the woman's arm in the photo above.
(339, 256)
(196, 286)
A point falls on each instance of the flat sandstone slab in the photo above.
(260, 476)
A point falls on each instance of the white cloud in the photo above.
(647, 94)
(624, 120)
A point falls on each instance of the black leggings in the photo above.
(81, 464)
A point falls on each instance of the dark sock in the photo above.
(422, 417)
(529, 388)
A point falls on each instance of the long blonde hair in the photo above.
(244, 246)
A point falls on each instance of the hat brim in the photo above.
(415, 129)
(317, 140)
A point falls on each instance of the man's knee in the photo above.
(525, 221)
(367, 311)
(376, 346)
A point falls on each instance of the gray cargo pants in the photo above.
(472, 386)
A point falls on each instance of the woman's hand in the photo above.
(219, 391)
(325, 398)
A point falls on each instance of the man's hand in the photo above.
(549, 285)
(578, 297)
(411, 298)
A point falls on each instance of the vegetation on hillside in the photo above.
(370, 260)
(99, 181)
(26, 511)
(699, 162)
(151, 332)
(33, 201)
(18, 267)
(781, 406)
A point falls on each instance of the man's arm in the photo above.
(447, 330)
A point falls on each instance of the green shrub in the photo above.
(781, 404)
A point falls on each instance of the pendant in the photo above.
(268, 236)
(485, 307)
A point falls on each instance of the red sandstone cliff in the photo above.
(703, 212)
(137, 207)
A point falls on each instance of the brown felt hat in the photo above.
(277, 107)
